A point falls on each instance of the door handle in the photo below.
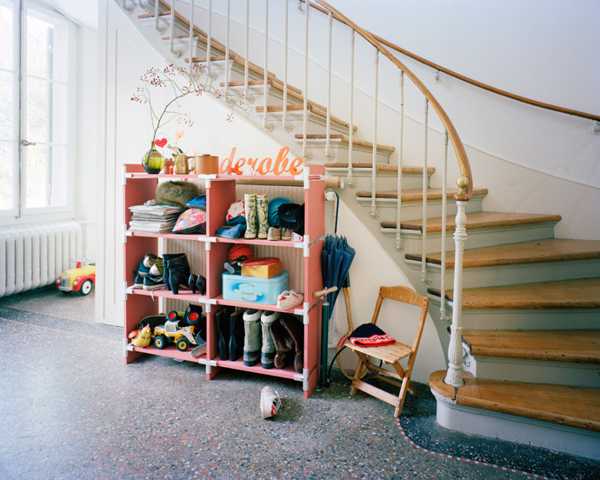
(27, 143)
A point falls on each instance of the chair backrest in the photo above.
(406, 295)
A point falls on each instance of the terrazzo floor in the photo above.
(73, 410)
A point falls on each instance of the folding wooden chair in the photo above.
(390, 354)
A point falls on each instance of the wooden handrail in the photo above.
(465, 181)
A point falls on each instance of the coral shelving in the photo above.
(220, 193)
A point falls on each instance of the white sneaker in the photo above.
(270, 402)
(289, 299)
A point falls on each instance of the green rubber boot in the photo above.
(251, 215)
(262, 207)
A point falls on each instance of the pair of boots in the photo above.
(256, 210)
(177, 274)
(274, 339)
(230, 334)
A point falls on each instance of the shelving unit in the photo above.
(220, 193)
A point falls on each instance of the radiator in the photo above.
(33, 256)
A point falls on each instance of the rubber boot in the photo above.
(179, 272)
(223, 334)
(252, 340)
(283, 344)
(236, 335)
(197, 283)
(251, 215)
(267, 351)
(262, 209)
(296, 331)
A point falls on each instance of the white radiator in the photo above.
(33, 256)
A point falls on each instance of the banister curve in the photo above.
(465, 181)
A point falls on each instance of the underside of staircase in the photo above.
(531, 302)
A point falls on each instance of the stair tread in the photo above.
(580, 293)
(344, 139)
(478, 220)
(202, 59)
(384, 167)
(313, 108)
(557, 345)
(574, 406)
(416, 194)
(273, 82)
(551, 250)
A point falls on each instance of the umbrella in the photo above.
(336, 257)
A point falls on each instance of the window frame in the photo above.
(20, 213)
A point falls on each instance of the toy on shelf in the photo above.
(143, 338)
(80, 279)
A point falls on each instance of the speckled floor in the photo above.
(73, 410)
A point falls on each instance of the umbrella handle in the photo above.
(325, 291)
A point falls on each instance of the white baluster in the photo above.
(305, 112)
(208, 38)
(172, 26)
(350, 130)
(191, 39)
(444, 213)
(399, 165)
(227, 40)
(156, 12)
(424, 185)
(285, 62)
(454, 374)
(329, 75)
(266, 65)
(373, 211)
(247, 51)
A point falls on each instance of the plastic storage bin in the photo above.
(252, 289)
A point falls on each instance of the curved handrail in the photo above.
(465, 181)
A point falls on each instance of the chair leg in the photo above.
(357, 375)
(402, 396)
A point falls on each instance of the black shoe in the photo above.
(197, 283)
(223, 333)
(138, 281)
(236, 335)
(177, 271)
(152, 282)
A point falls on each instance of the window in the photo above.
(36, 119)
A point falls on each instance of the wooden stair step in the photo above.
(313, 108)
(213, 58)
(550, 250)
(582, 346)
(381, 167)
(340, 138)
(573, 406)
(416, 194)
(580, 293)
(478, 220)
(272, 82)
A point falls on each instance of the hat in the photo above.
(239, 251)
(291, 216)
(274, 210)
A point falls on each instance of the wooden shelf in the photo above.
(273, 372)
(266, 243)
(258, 306)
(172, 236)
(169, 352)
(184, 295)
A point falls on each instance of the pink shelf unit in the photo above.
(221, 192)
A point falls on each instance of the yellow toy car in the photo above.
(80, 279)
(171, 332)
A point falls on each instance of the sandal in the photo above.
(289, 299)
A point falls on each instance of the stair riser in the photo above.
(361, 179)
(386, 209)
(314, 124)
(556, 319)
(477, 237)
(534, 371)
(339, 153)
(476, 421)
(511, 274)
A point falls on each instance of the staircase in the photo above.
(517, 308)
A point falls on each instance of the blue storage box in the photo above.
(252, 289)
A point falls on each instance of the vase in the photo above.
(153, 161)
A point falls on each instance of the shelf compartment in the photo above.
(258, 306)
(184, 295)
(169, 352)
(256, 241)
(288, 373)
(170, 236)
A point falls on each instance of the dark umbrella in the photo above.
(336, 258)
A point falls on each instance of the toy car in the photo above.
(80, 279)
(171, 332)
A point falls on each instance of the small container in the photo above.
(206, 164)
(262, 268)
(251, 289)
(181, 165)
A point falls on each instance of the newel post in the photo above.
(454, 374)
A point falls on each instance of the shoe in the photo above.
(154, 282)
(231, 231)
(295, 330)
(267, 351)
(270, 402)
(252, 337)
(251, 216)
(286, 234)
(274, 234)
(262, 209)
(223, 333)
(289, 299)
(146, 263)
(197, 283)
(236, 335)
(283, 344)
(138, 281)
(177, 271)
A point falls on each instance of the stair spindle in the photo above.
(247, 50)
(172, 27)
(373, 211)
(329, 75)
(227, 42)
(285, 62)
(443, 233)
(191, 38)
(305, 112)
(350, 130)
(266, 65)
(424, 185)
(208, 38)
(399, 165)
(156, 12)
